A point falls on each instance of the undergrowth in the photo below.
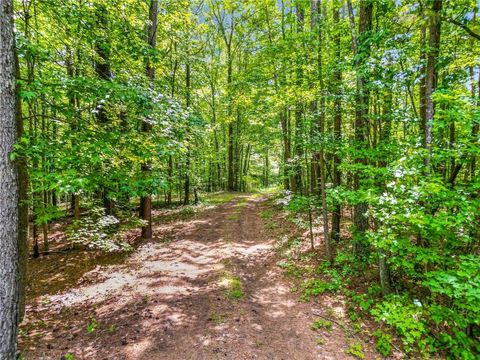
(425, 328)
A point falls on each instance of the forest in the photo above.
(250, 179)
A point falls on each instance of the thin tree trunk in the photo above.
(297, 185)
(186, 199)
(476, 125)
(431, 75)
(423, 89)
(231, 140)
(146, 200)
(286, 149)
(337, 124)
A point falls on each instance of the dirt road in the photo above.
(212, 291)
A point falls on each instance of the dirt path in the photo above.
(212, 292)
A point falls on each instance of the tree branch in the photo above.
(466, 28)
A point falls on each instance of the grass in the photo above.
(266, 214)
(217, 318)
(219, 198)
(321, 324)
(233, 287)
(356, 350)
(234, 216)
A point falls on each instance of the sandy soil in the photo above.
(175, 300)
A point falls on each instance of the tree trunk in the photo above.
(360, 220)
(186, 199)
(103, 71)
(337, 124)
(231, 140)
(297, 184)
(422, 91)
(286, 148)
(431, 75)
(474, 132)
(146, 200)
(22, 208)
(9, 189)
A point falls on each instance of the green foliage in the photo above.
(356, 350)
(461, 285)
(292, 269)
(314, 287)
(236, 292)
(92, 325)
(383, 343)
(266, 214)
(321, 324)
(405, 317)
(233, 287)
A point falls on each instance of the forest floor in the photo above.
(205, 287)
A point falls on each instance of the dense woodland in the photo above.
(363, 113)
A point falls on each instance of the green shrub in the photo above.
(315, 287)
(405, 317)
(99, 231)
(383, 343)
(356, 350)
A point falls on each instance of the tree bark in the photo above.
(103, 71)
(146, 200)
(286, 148)
(362, 49)
(186, 198)
(337, 124)
(231, 140)
(9, 189)
(297, 184)
(435, 23)
(22, 207)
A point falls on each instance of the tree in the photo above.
(431, 75)
(337, 121)
(146, 200)
(9, 189)
(361, 46)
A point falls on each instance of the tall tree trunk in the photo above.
(146, 200)
(216, 161)
(75, 203)
(266, 174)
(103, 71)
(435, 23)
(329, 247)
(186, 198)
(337, 123)
(286, 148)
(9, 189)
(22, 207)
(362, 53)
(231, 132)
(423, 89)
(476, 124)
(297, 185)
(173, 70)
